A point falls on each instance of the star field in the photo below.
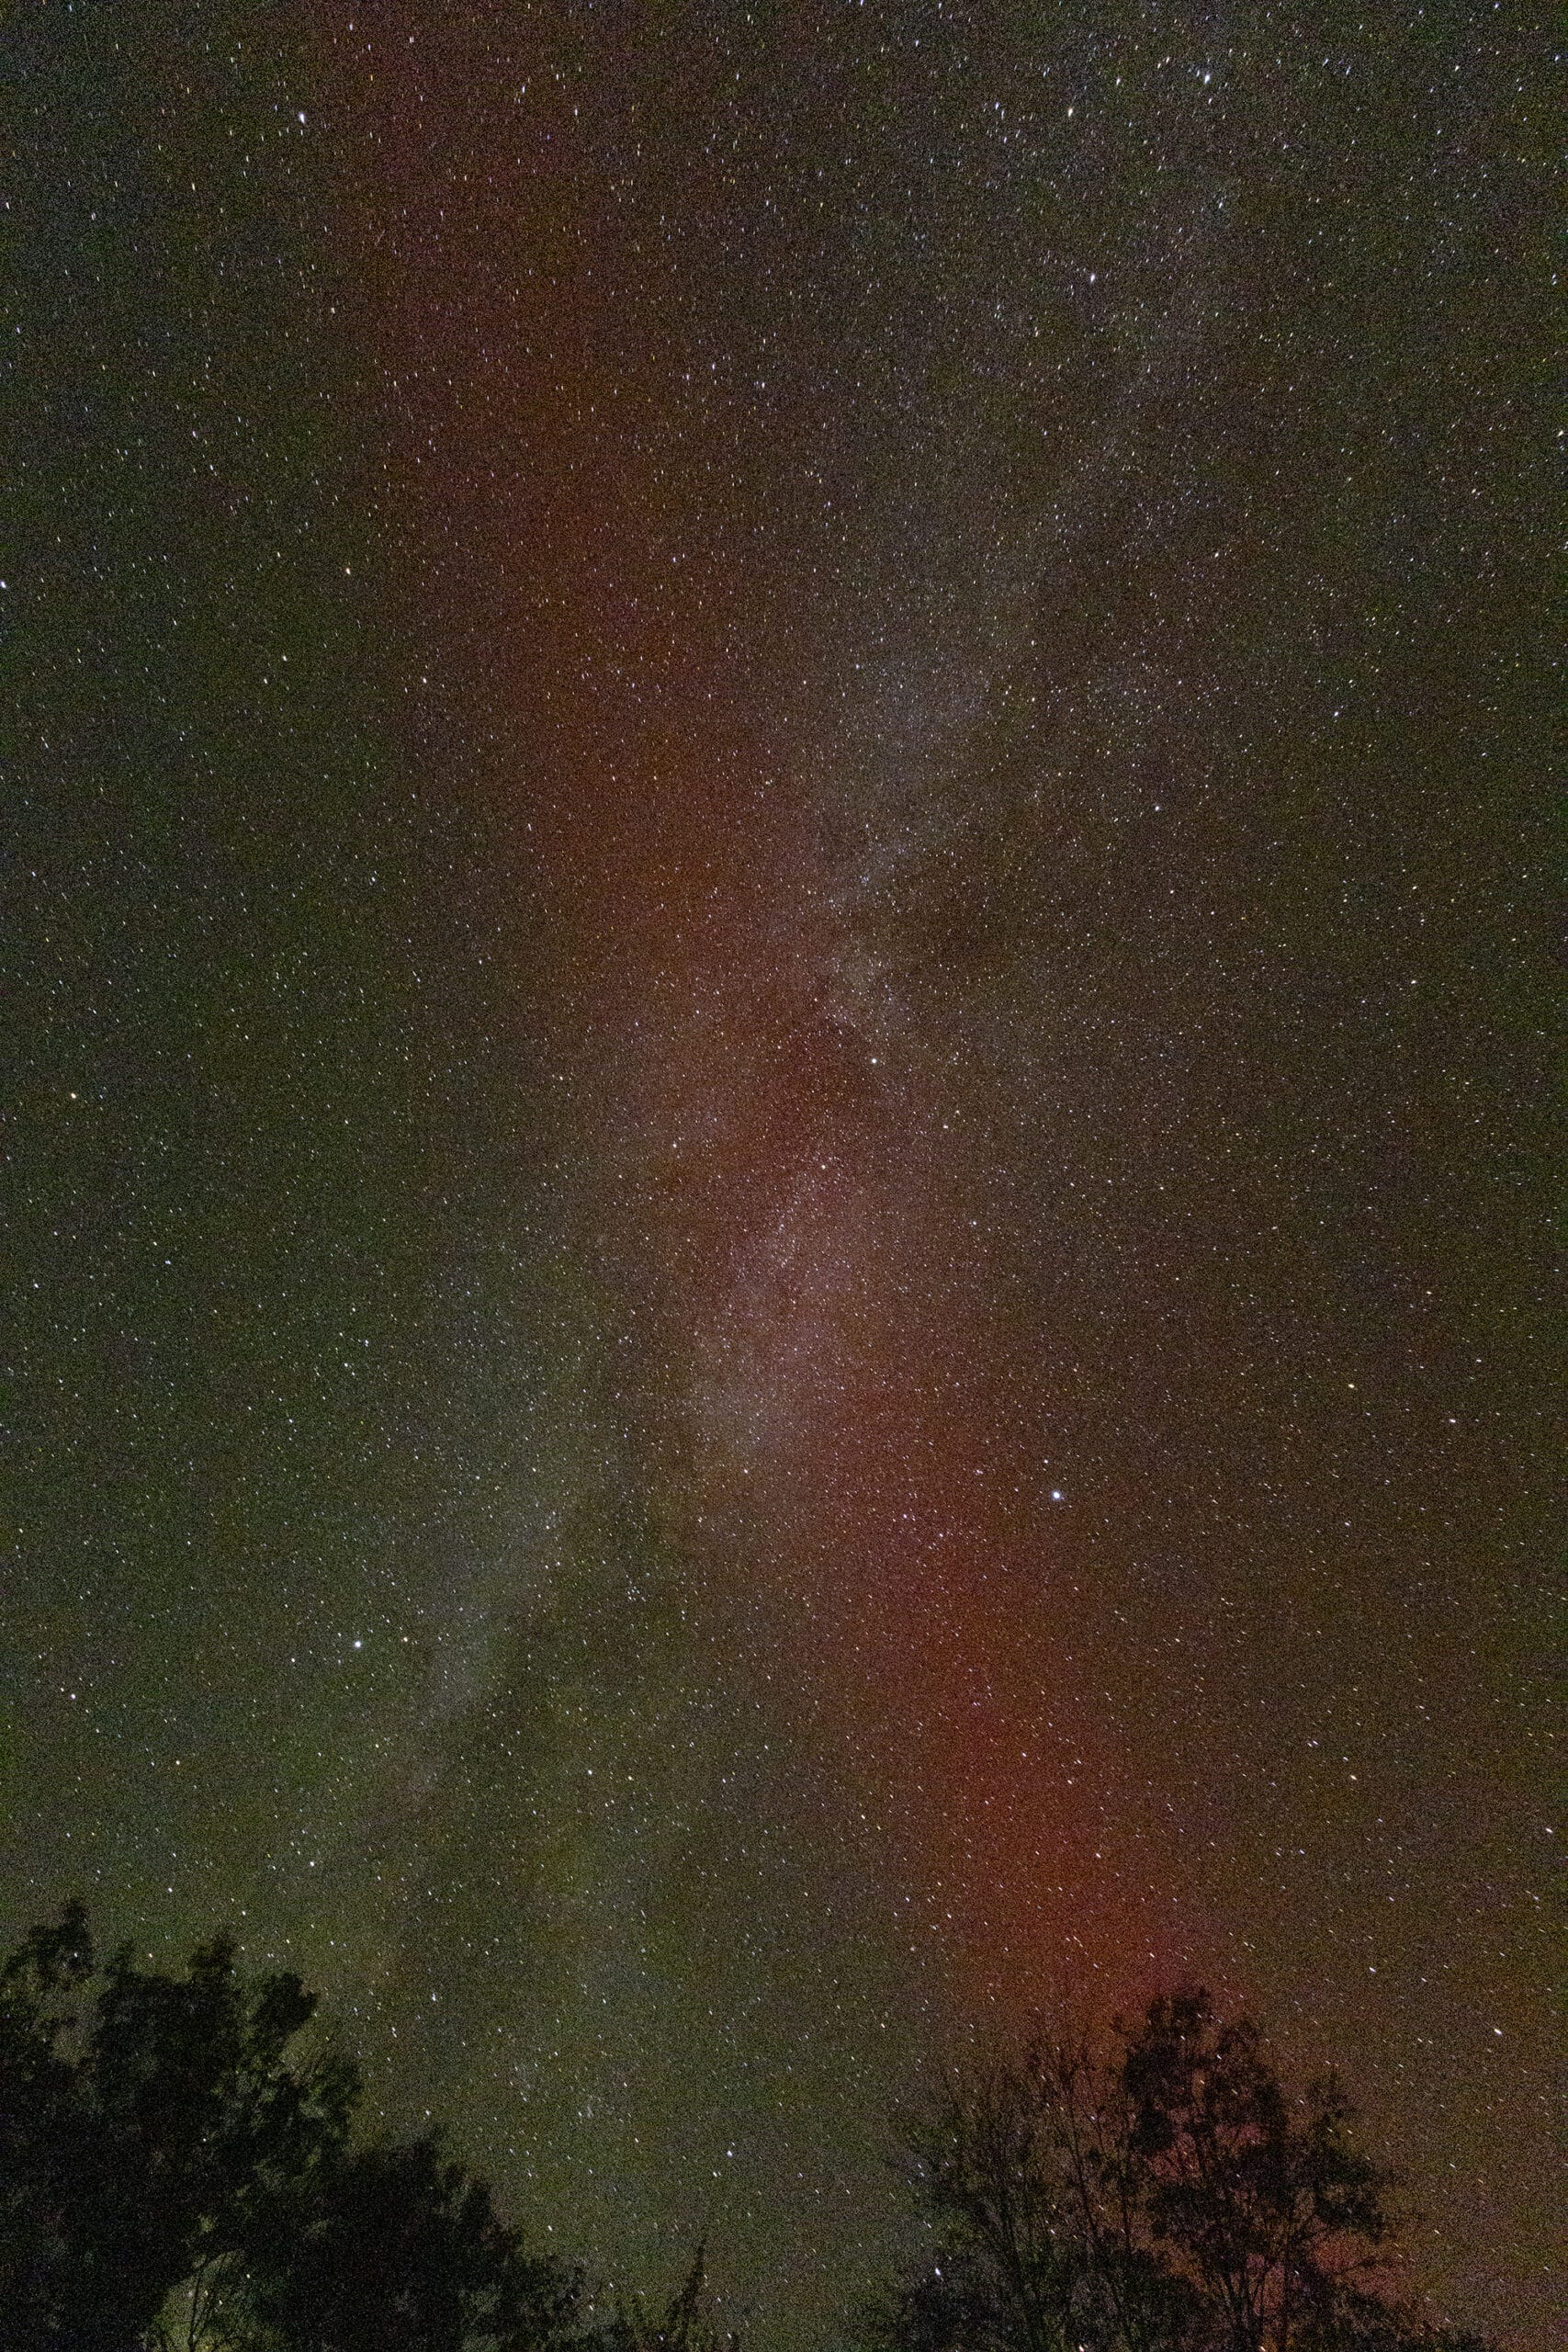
(775, 924)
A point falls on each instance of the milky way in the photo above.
(779, 952)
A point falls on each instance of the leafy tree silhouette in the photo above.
(1168, 2193)
(399, 2246)
(1262, 2203)
(145, 2132)
(172, 2171)
(177, 2169)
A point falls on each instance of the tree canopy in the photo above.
(179, 2168)
(176, 2166)
(1170, 2192)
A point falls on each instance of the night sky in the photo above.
(774, 914)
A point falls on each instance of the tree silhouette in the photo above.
(400, 2246)
(1169, 2193)
(146, 2131)
(173, 2170)
(1262, 2203)
(177, 2169)
(685, 2325)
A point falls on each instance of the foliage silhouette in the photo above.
(685, 2326)
(146, 2130)
(177, 2169)
(172, 2170)
(1166, 2193)
(400, 2246)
